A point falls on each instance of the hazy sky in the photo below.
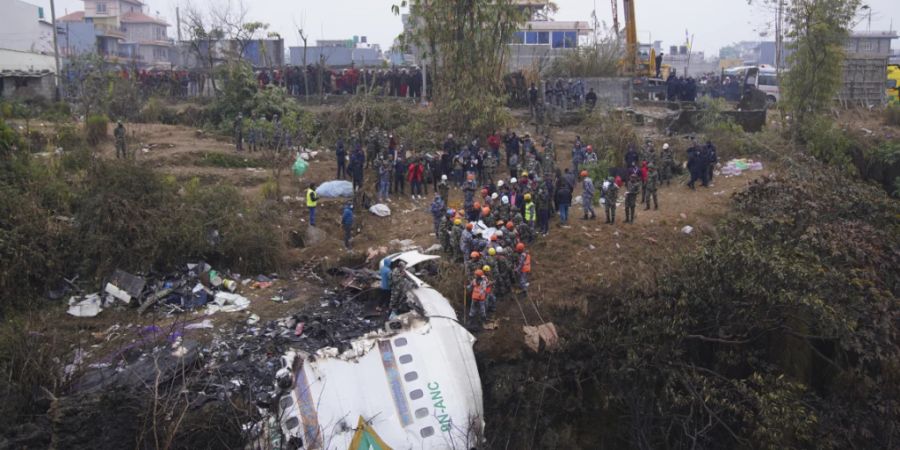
(713, 23)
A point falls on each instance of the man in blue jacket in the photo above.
(347, 223)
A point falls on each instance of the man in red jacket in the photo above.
(414, 175)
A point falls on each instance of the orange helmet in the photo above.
(509, 225)
(469, 226)
(520, 247)
(584, 173)
(485, 211)
(474, 255)
(479, 273)
(493, 237)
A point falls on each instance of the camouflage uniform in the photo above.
(455, 238)
(465, 244)
(445, 229)
(526, 232)
(611, 195)
(631, 193)
(443, 189)
(472, 265)
(490, 168)
(587, 198)
(651, 187)
(119, 133)
(668, 163)
(504, 273)
(399, 286)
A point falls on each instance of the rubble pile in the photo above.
(196, 286)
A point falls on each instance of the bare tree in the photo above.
(204, 34)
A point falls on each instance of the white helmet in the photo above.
(505, 200)
(513, 180)
(443, 177)
(498, 233)
(500, 250)
(666, 146)
(494, 196)
(500, 184)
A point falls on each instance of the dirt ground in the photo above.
(571, 265)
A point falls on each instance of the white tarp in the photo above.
(335, 188)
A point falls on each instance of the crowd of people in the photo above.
(511, 189)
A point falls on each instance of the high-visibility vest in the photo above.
(529, 212)
(526, 267)
(310, 198)
(478, 292)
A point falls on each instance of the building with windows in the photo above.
(27, 64)
(120, 31)
(865, 68)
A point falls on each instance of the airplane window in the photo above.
(411, 376)
(427, 431)
(400, 342)
(405, 359)
(292, 423)
(421, 412)
(416, 394)
(286, 401)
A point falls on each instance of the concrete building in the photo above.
(27, 64)
(25, 27)
(338, 57)
(122, 32)
(258, 52)
(865, 68)
(539, 42)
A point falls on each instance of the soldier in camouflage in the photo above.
(631, 193)
(668, 163)
(400, 284)
(651, 186)
(610, 197)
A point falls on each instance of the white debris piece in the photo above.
(90, 306)
(380, 210)
(687, 229)
(227, 302)
(117, 293)
(199, 325)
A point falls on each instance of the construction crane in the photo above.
(631, 43)
(634, 63)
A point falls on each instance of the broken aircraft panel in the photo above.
(414, 382)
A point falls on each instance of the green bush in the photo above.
(96, 129)
(828, 143)
(156, 111)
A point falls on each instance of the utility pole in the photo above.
(56, 94)
(178, 22)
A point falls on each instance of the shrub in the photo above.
(827, 143)
(96, 129)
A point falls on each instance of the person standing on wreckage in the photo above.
(399, 285)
